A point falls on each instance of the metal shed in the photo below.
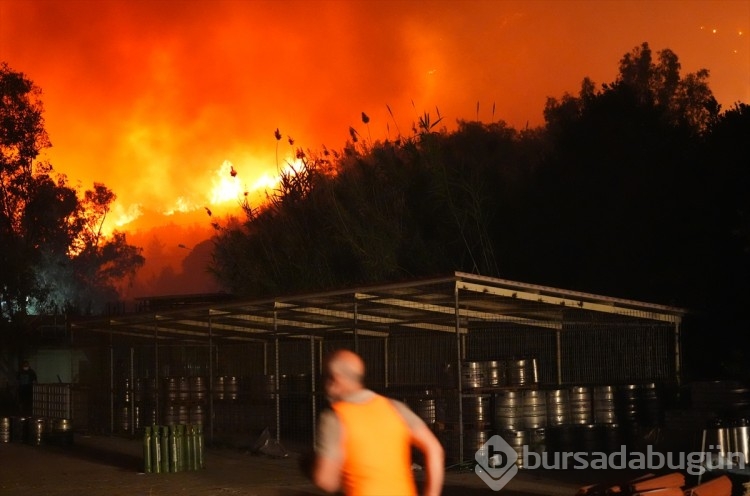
(238, 366)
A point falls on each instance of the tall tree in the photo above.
(53, 256)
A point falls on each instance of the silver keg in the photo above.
(231, 388)
(537, 440)
(604, 405)
(496, 373)
(741, 438)
(473, 375)
(476, 408)
(124, 418)
(197, 388)
(580, 405)
(523, 372)
(509, 410)
(183, 389)
(196, 415)
(37, 428)
(4, 429)
(517, 439)
(171, 389)
(534, 409)
(474, 441)
(558, 406)
(424, 408)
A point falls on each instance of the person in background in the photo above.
(26, 381)
(364, 442)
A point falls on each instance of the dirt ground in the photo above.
(112, 466)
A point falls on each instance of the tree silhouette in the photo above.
(53, 255)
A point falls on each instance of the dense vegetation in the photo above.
(636, 189)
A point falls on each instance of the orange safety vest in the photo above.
(376, 443)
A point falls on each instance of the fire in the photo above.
(226, 186)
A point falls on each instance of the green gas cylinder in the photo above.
(164, 449)
(199, 445)
(155, 450)
(147, 450)
(174, 449)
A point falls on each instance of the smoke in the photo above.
(152, 97)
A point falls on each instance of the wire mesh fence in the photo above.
(463, 355)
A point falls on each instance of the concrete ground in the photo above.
(112, 466)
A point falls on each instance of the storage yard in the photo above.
(549, 369)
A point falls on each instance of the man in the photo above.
(26, 380)
(364, 443)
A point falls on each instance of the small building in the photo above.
(454, 348)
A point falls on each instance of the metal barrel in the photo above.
(537, 440)
(183, 389)
(62, 431)
(604, 405)
(124, 418)
(477, 408)
(523, 372)
(534, 409)
(425, 408)
(262, 387)
(496, 373)
(170, 414)
(4, 429)
(611, 438)
(589, 438)
(558, 406)
(562, 438)
(231, 388)
(580, 405)
(171, 389)
(19, 429)
(36, 430)
(126, 391)
(517, 439)
(138, 390)
(473, 375)
(197, 389)
(196, 414)
(626, 405)
(650, 410)
(741, 438)
(474, 441)
(219, 388)
(718, 437)
(509, 410)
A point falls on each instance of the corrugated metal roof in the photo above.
(453, 303)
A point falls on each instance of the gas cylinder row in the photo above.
(172, 448)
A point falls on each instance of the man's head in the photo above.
(345, 373)
(25, 365)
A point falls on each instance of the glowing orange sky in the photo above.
(151, 97)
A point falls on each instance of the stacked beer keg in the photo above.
(601, 418)
(503, 397)
(498, 396)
